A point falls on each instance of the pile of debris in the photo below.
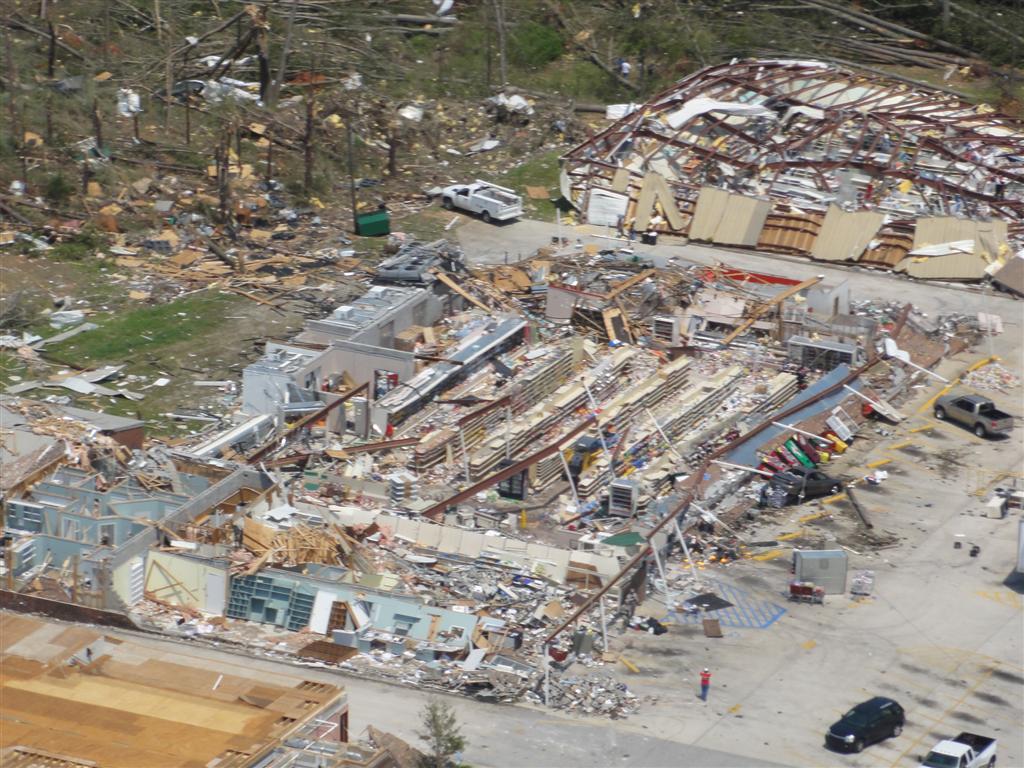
(814, 159)
(592, 694)
(994, 377)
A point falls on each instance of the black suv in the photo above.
(874, 720)
(797, 484)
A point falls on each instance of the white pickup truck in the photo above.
(968, 750)
(492, 202)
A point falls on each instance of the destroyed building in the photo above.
(445, 483)
(812, 159)
(70, 692)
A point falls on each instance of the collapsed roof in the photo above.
(805, 134)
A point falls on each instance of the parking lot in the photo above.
(941, 633)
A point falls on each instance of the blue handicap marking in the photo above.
(746, 610)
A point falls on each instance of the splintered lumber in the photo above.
(190, 612)
(444, 278)
(258, 563)
(625, 285)
(766, 307)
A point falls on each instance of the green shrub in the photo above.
(534, 45)
(58, 188)
(78, 248)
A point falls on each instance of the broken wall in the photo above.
(728, 219)
(187, 580)
(845, 234)
(361, 361)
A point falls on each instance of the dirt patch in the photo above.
(949, 459)
(877, 490)
(912, 450)
(661, 650)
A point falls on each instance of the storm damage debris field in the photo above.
(319, 350)
(809, 158)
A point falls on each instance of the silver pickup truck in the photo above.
(974, 411)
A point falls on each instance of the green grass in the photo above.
(427, 225)
(152, 341)
(145, 331)
(11, 365)
(541, 170)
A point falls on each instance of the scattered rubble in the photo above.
(468, 470)
(752, 153)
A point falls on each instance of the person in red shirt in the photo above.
(705, 683)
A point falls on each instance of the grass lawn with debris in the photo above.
(143, 332)
(541, 170)
(208, 335)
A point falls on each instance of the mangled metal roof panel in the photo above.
(789, 129)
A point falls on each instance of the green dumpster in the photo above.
(371, 224)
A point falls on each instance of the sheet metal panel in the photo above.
(605, 207)
(844, 235)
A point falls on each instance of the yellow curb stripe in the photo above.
(980, 363)
(815, 516)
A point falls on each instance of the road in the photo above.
(499, 736)
(488, 244)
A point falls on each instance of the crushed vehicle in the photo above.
(795, 484)
(976, 412)
(491, 202)
(869, 722)
(968, 750)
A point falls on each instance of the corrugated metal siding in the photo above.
(656, 188)
(728, 219)
(892, 248)
(711, 205)
(789, 232)
(1012, 275)
(743, 221)
(942, 229)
